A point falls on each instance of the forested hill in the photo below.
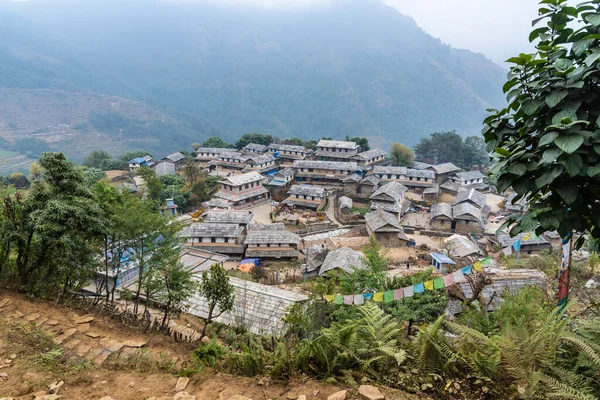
(354, 67)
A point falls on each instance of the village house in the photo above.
(306, 196)
(367, 185)
(344, 259)
(137, 163)
(461, 247)
(370, 157)
(178, 159)
(462, 218)
(231, 161)
(443, 171)
(243, 189)
(390, 198)
(442, 262)
(271, 241)
(412, 178)
(470, 179)
(385, 228)
(262, 163)
(515, 207)
(218, 204)
(472, 197)
(219, 238)
(324, 171)
(242, 218)
(283, 177)
(419, 165)
(441, 217)
(351, 184)
(431, 193)
(254, 148)
(336, 150)
(170, 208)
(164, 168)
(530, 244)
(207, 154)
(288, 153)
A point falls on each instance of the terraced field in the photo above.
(11, 162)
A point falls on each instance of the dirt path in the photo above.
(99, 357)
(330, 211)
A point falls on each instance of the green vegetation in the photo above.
(256, 138)
(443, 147)
(218, 292)
(401, 155)
(546, 141)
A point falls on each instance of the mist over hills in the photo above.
(352, 67)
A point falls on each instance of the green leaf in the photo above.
(502, 152)
(597, 148)
(516, 60)
(509, 85)
(564, 118)
(549, 177)
(593, 171)
(548, 138)
(563, 64)
(568, 193)
(513, 94)
(592, 18)
(569, 143)
(573, 164)
(592, 58)
(517, 169)
(531, 106)
(580, 46)
(556, 97)
(536, 33)
(550, 155)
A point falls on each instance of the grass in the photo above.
(7, 154)
(360, 210)
(141, 360)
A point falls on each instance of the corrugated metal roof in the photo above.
(338, 144)
(442, 258)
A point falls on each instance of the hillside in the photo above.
(353, 67)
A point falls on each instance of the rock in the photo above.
(48, 397)
(30, 377)
(134, 343)
(182, 383)
(111, 344)
(341, 395)
(264, 381)
(315, 393)
(184, 396)
(84, 328)
(13, 356)
(106, 398)
(291, 395)
(84, 319)
(55, 387)
(32, 317)
(71, 343)
(302, 397)
(52, 322)
(4, 302)
(205, 339)
(368, 392)
(93, 335)
(3, 375)
(239, 397)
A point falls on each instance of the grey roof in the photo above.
(469, 175)
(287, 147)
(431, 190)
(199, 230)
(236, 156)
(415, 173)
(196, 260)
(389, 207)
(229, 217)
(339, 144)
(379, 219)
(219, 203)
(345, 202)
(175, 157)
(164, 168)
(262, 158)
(445, 168)
(507, 241)
(255, 147)
(287, 172)
(452, 186)
(214, 150)
(243, 179)
(466, 209)
(242, 195)
(461, 246)
(344, 258)
(307, 190)
(441, 209)
(420, 165)
(329, 165)
(471, 195)
(269, 234)
(353, 178)
(371, 154)
(511, 205)
(395, 190)
(371, 179)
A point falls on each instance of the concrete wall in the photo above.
(258, 308)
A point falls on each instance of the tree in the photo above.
(257, 138)
(192, 172)
(154, 187)
(96, 158)
(196, 146)
(18, 180)
(402, 155)
(35, 172)
(218, 293)
(178, 288)
(441, 147)
(217, 142)
(93, 175)
(475, 152)
(546, 142)
(361, 141)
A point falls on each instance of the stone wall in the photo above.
(258, 308)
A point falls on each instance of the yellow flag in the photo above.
(378, 296)
(477, 266)
(428, 285)
(329, 297)
(526, 237)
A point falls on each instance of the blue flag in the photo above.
(419, 288)
(467, 270)
(517, 245)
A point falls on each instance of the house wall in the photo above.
(350, 188)
(441, 224)
(465, 227)
(389, 239)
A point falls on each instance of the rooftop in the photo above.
(269, 234)
(288, 147)
(229, 217)
(204, 229)
(164, 168)
(445, 168)
(409, 172)
(286, 172)
(373, 179)
(395, 190)
(328, 165)
(469, 175)
(255, 147)
(262, 158)
(371, 154)
(466, 209)
(507, 241)
(339, 144)
(196, 260)
(378, 220)
(214, 150)
(243, 179)
(344, 258)
(471, 195)
(175, 157)
(441, 209)
(307, 190)
(353, 178)
(442, 258)
(420, 165)
(462, 246)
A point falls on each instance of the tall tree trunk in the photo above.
(106, 265)
(208, 321)
(140, 280)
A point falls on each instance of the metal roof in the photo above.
(344, 258)
(445, 168)
(469, 175)
(196, 260)
(462, 246)
(470, 195)
(255, 147)
(328, 165)
(270, 234)
(175, 157)
(408, 172)
(442, 258)
(338, 144)
(243, 179)
(307, 190)
(229, 217)
(204, 229)
(395, 190)
(371, 154)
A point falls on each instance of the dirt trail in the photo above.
(104, 343)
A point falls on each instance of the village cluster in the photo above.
(280, 203)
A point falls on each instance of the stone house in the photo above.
(241, 218)
(336, 150)
(164, 168)
(443, 171)
(176, 158)
(471, 179)
(467, 218)
(217, 237)
(271, 241)
(207, 154)
(530, 244)
(412, 178)
(431, 193)
(370, 157)
(262, 163)
(470, 196)
(288, 153)
(344, 259)
(231, 161)
(324, 171)
(390, 198)
(461, 247)
(351, 184)
(367, 185)
(283, 177)
(254, 148)
(137, 163)
(306, 196)
(441, 217)
(243, 189)
(385, 228)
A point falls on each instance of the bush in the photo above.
(210, 353)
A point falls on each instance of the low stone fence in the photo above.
(316, 228)
(258, 308)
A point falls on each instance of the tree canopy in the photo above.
(257, 138)
(546, 142)
(401, 155)
(442, 147)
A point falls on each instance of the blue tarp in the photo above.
(442, 258)
(254, 261)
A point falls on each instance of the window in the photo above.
(418, 178)
(213, 240)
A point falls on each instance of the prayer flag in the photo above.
(329, 297)
(467, 270)
(348, 300)
(398, 294)
(338, 299)
(488, 260)
(438, 283)
(368, 296)
(419, 288)
(428, 285)
(378, 297)
(526, 237)
(388, 296)
(409, 291)
(477, 266)
(359, 300)
(517, 245)
(448, 280)
(459, 276)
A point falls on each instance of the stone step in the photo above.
(94, 352)
(40, 321)
(102, 357)
(32, 317)
(65, 335)
(71, 343)
(4, 302)
(82, 349)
